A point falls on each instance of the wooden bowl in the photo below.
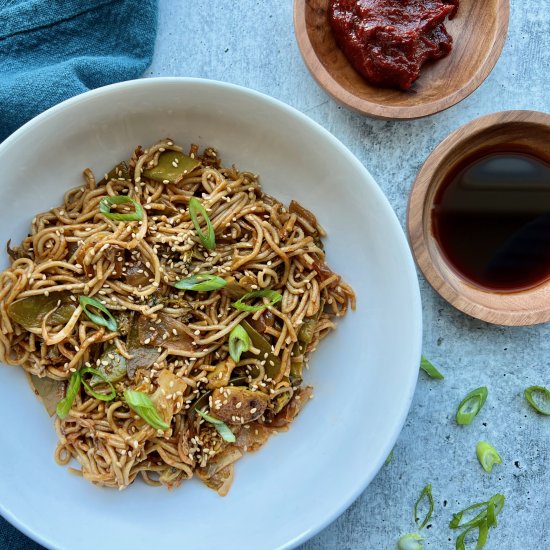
(478, 30)
(526, 307)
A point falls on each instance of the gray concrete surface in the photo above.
(252, 43)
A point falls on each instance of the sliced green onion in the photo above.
(102, 396)
(482, 535)
(411, 541)
(471, 405)
(273, 296)
(487, 455)
(426, 492)
(207, 239)
(201, 283)
(389, 459)
(482, 522)
(460, 541)
(105, 208)
(239, 342)
(430, 369)
(543, 395)
(496, 503)
(221, 427)
(141, 403)
(457, 518)
(109, 322)
(64, 406)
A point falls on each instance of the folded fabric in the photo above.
(11, 539)
(51, 50)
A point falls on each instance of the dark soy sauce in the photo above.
(491, 218)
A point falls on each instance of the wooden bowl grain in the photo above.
(478, 30)
(523, 128)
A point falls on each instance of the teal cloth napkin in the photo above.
(11, 539)
(51, 50)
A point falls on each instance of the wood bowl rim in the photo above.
(419, 206)
(342, 95)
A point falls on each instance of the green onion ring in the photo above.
(455, 522)
(141, 403)
(487, 456)
(105, 208)
(460, 541)
(471, 405)
(65, 404)
(221, 427)
(429, 368)
(497, 503)
(109, 322)
(239, 343)
(482, 522)
(426, 492)
(273, 296)
(101, 396)
(411, 541)
(207, 239)
(201, 283)
(529, 394)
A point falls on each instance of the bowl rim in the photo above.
(327, 82)
(462, 295)
(406, 257)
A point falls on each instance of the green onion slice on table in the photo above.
(539, 398)
(456, 522)
(208, 238)
(272, 295)
(426, 492)
(201, 283)
(221, 427)
(471, 405)
(483, 521)
(106, 203)
(429, 368)
(64, 406)
(410, 541)
(487, 456)
(239, 343)
(105, 320)
(141, 403)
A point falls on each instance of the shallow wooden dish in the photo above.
(478, 30)
(527, 307)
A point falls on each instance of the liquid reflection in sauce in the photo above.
(491, 218)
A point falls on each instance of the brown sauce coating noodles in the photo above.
(174, 343)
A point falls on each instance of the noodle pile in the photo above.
(172, 344)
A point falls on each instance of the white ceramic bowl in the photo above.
(364, 374)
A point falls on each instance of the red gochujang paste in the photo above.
(388, 41)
